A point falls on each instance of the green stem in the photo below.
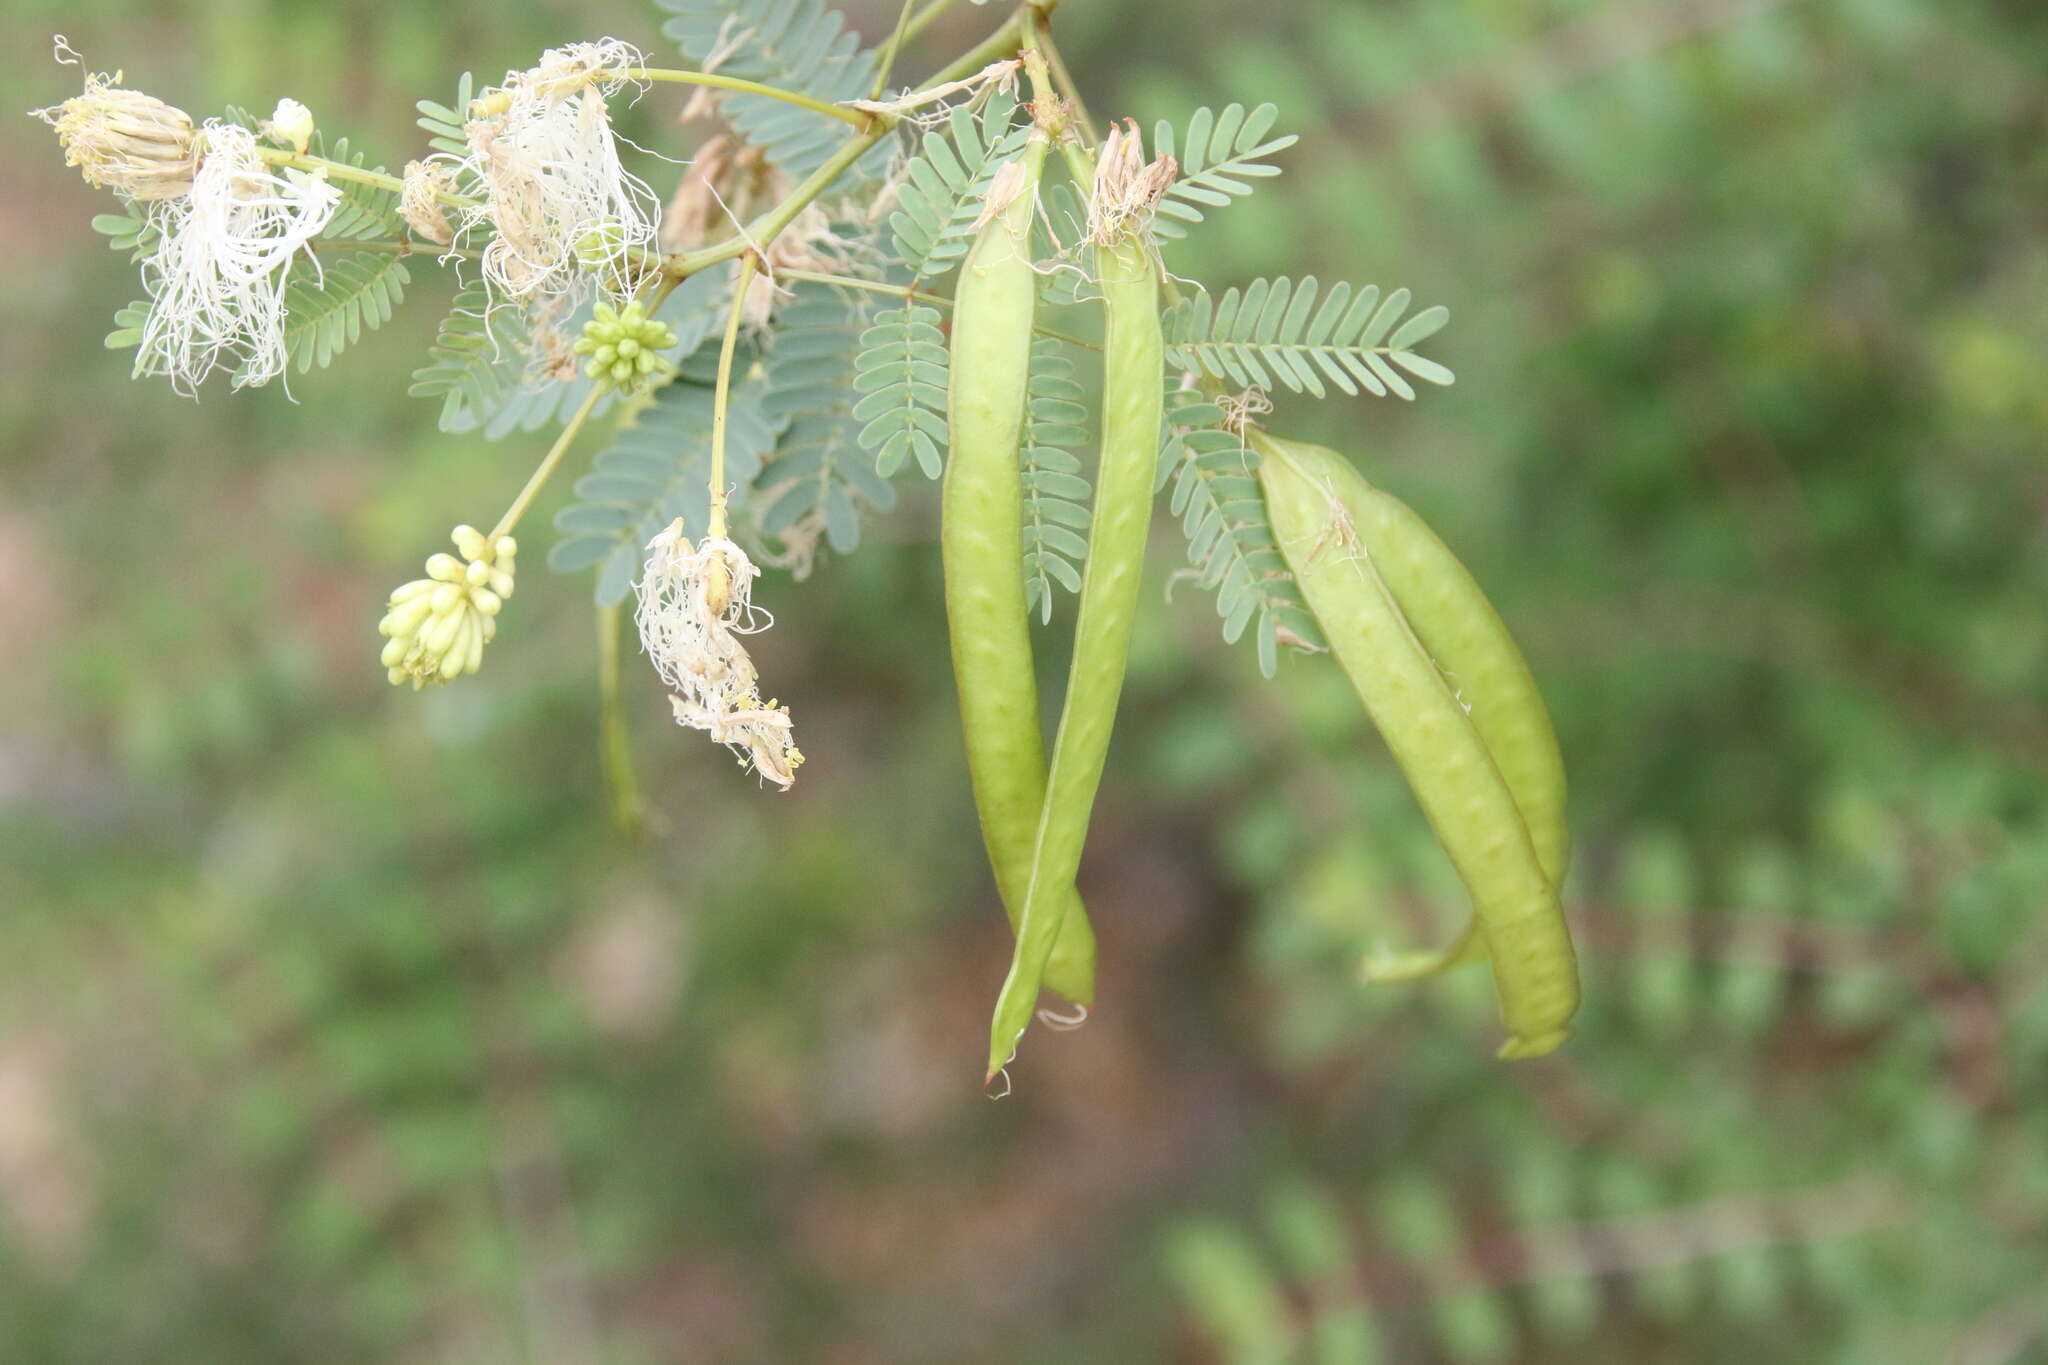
(903, 292)
(887, 61)
(341, 170)
(653, 300)
(1062, 78)
(548, 463)
(722, 395)
(998, 44)
(924, 19)
(336, 245)
(763, 230)
(673, 76)
(336, 170)
(614, 753)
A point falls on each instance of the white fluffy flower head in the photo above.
(564, 209)
(216, 274)
(694, 605)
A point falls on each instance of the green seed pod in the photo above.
(1319, 505)
(1479, 659)
(1132, 411)
(1472, 648)
(981, 515)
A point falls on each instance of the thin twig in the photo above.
(905, 292)
(1063, 81)
(887, 61)
(660, 291)
(539, 477)
(763, 230)
(615, 754)
(925, 17)
(745, 87)
(333, 245)
(723, 394)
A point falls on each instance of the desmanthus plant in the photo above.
(771, 350)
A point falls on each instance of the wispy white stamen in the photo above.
(565, 210)
(217, 274)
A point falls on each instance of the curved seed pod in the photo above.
(1472, 648)
(1132, 410)
(981, 514)
(1477, 656)
(1316, 500)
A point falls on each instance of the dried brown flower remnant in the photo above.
(1003, 188)
(419, 201)
(722, 186)
(695, 602)
(1127, 187)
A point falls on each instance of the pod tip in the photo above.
(1515, 1049)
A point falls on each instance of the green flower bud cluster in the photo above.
(624, 346)
(438, 625)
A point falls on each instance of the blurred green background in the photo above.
(338, 1023)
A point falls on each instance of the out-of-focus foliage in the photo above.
(340, 1025)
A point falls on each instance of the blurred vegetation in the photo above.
(339, 1024)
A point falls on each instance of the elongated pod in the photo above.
(981, 514)
(1317, 501)
(1132, 409)
(1479, 659)
(1472, 648)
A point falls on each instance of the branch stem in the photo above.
(757, 235)
(336, 170)
(887, 61)
(539, 477)
(722, 396)
(924, 18)
(919, 295)
(361, 175)
(614, 753)
(1063, 79)
(677, 77)
(336, 245)
(562, 443)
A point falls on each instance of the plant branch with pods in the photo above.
(768, 350)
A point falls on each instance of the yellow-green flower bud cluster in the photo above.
(126, 141)
(624, 347)
(438, 625)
